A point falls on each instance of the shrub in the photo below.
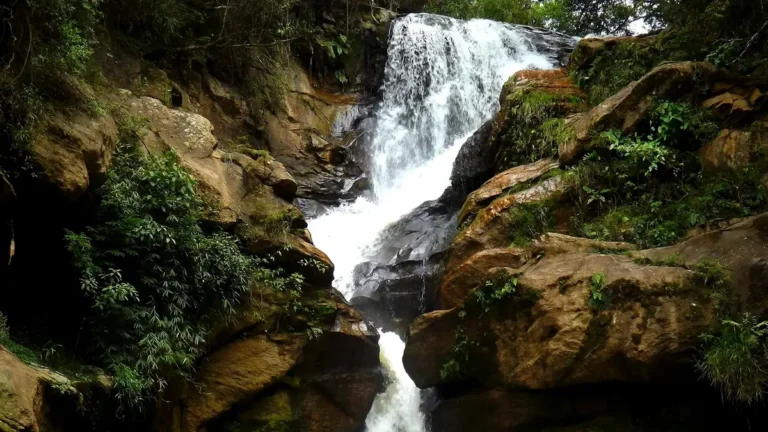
(716, 277)
(734, 361)
(156, 281)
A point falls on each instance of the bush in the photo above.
(735, 360)
(156, 281)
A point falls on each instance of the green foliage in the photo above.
(651, 191)
(156, 281)
(597, 298)
(735, 360)
(530, 220)
(494, 292)
(661, 215)
(575, 17)
(533, 127)
(458, 360)
(647, 152)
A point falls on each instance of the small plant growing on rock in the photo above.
(715, 276)
(735, 360)
(494, 292)
(597, 298)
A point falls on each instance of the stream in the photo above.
(442, 82)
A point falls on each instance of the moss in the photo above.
(530, 220)
(532, 127)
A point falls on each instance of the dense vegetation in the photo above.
(157, 283)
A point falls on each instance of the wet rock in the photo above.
(304, 137)
(473, 165)
(627, 108)
(394, 295)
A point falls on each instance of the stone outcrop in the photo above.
(627, 108)
(74, 150)
(36, 399)
(501, 183)
(491, 227)
(283, 379)
(552, 336)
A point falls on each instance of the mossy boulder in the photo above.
(510, 218)
(530, 123)
(652, 322)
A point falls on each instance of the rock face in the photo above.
(35, 399)
(74, 151)
(734, 149)
(625, 109)
(653, 321)
(492, 226)
(284, 379)
(312, 138)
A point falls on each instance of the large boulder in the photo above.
(552, 332)
(278, 379)
(627, 108)
(549, 334)
(492, 226)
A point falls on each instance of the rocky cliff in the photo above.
(557, 307)
(266, 368)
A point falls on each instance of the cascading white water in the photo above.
(442, 81)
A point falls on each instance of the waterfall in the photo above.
(442, 82)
